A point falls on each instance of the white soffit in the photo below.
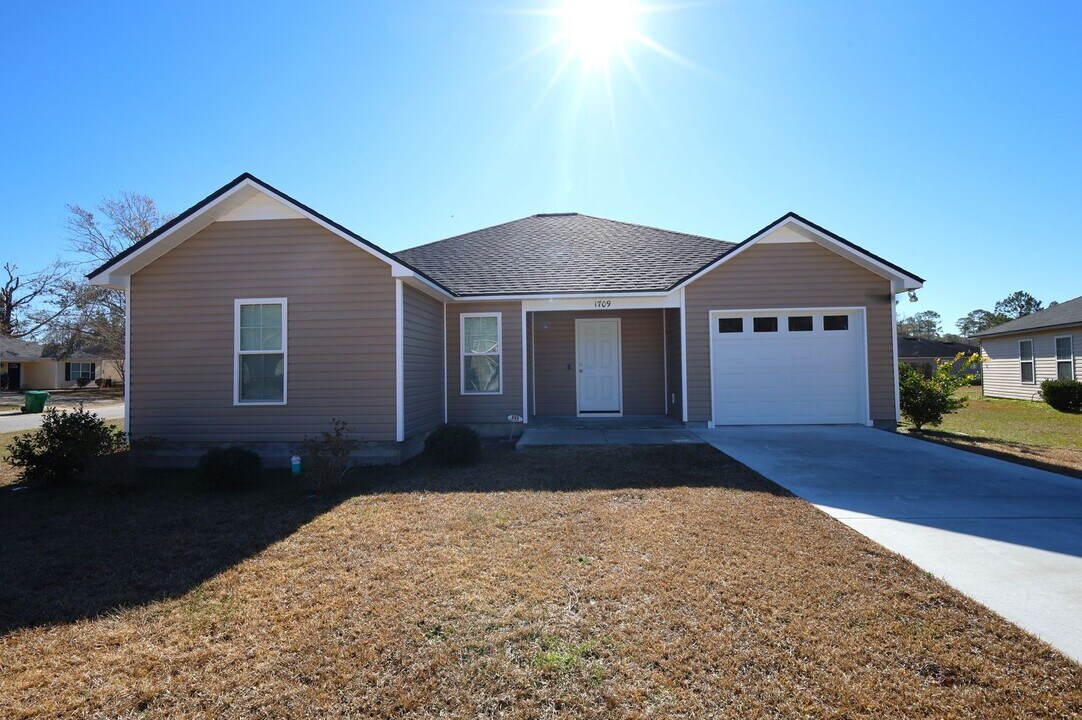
(784, 235)
(261, 207)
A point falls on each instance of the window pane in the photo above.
(249, 338)
(482, 335)
(271, 315)
(1064, 370)
(835, 322)
(271, 338)
(249, 316)
(800, 323)
(482, 373)
(262, 377)
(730, 325)
(1063, 348)
(1025, 350)
(1027, 371)
(765, 324)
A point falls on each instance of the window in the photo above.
(260, 337)
(482, 351)
(835, 322)
(765, 324)
(800, 323)
(1065, 358)
(79, 371)
(730, 325)
(1025, 356)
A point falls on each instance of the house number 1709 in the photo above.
(603, 303)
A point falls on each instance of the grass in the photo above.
(1022, 431)
(599, 582)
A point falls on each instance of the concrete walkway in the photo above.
(1007, 535)
(16, 421)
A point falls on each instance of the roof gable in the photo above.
(245, 198)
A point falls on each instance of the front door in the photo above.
(15, 376)
(597, 358)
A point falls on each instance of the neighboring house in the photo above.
(254, 319)
(925, 354)
(30, 366)
(1021, 353)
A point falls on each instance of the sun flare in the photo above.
(595, 30)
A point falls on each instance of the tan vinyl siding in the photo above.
(341, 334)
(641, 358)
(674, 368)
(422, 345)
(485, 408)
(1002, 368)
(790, 275)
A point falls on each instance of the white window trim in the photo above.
(1055, 353)
(462, 350)
(1032, 361)
(237, 352)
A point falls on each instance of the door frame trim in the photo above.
(862, 342)
(619, 367)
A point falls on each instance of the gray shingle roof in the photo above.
(564, 253)
(14, 350)
(914, 347)
(1066, 313)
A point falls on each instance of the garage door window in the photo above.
(800, 323)
(730, 325)
(765, 324)
(835, 322)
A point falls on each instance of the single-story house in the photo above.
(254, 319)
(30, 366)
(925, 354)
(1021, 353)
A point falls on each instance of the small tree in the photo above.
(925, 400)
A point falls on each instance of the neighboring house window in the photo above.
(1025, 356)
(1065, 358)
(482, 354)
(260, 356)
(76, 371)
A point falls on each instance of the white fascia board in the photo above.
(566, 296)
(900, 282)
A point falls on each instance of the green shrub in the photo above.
(1063, 395)
(925, 400)
(82, 382)
(453, 445)
(230, 467)
(327, 459)
(64, 447)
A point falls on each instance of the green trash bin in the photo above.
(35, 401)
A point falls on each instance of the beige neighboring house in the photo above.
(254, 319)
(30, 366)
(1023, 352)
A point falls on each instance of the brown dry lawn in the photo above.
(1021, 431)
(588, 582)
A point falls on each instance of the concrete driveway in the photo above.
(1007, 535)
(16, 421)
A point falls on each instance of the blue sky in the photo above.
(944, 136)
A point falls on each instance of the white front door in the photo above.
(597, 358)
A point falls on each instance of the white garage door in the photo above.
(788, 367)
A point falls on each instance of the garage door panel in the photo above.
(788, 377)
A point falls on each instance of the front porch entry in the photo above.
(590, 359)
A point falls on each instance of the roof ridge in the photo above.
(658, 229)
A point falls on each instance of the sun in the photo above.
(596, 30)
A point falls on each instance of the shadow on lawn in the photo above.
(67, 554)
(1022, 454)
